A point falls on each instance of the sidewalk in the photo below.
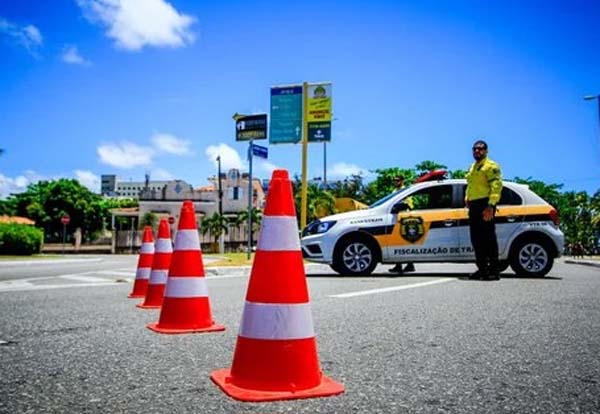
(593, 261)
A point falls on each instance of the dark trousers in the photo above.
(483, 237)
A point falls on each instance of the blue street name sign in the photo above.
(259, 151)
(286, 115)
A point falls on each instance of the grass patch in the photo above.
(7, 257)
(230, 259)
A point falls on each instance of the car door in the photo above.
(425, 228)
(509, 217)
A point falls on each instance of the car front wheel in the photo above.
(531, 257)
(355, 257)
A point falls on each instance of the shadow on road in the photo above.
(461, 276)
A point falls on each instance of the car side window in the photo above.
(509, 198)
(436, 197)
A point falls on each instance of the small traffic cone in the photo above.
(163, 250)
(276, 353)
(186, 307)
(144, 265)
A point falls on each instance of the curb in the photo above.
(591, 263)
(236, 270)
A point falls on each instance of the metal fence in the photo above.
(127, 241)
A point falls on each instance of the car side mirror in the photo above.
(399, 207)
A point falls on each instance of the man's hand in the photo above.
(488, 213)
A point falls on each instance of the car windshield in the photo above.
(387, 197)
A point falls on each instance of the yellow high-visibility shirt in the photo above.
(484, 179)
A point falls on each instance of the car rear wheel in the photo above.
(355, 257)
(531, 257)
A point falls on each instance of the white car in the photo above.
(428, 222)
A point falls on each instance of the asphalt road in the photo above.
(453, 345)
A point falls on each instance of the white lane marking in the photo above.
(47, 287)
(82, 278)
(116, 273)
(44, 262)
(391, 289)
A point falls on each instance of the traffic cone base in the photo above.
(158, 329)
(139, 289)
(327, 387)
(185, 315)
(154, 297)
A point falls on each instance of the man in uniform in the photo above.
(410, 267)
(484, 186)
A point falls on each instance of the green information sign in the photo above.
(286, 115)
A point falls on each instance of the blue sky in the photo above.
(91, 87)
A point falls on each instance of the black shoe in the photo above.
(492, 276)
(478, 275)
(396, 269)
(409, 267)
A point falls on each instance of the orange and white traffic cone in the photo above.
(186, 307)
(276, 353)
(163, 250)
(140, 285)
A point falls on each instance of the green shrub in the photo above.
(20, 239)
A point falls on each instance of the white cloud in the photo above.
(343, 170)
(134, 24)
(28, 36)
(125, 155)
(88, 179)
(229, 156)
(171, 144)
(266, 166)
(71, 55)
(161, 174)
(18, 184)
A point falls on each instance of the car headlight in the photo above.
(318, 227)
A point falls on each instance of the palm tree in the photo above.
(319, 203)
(242, 218)
(215, 225)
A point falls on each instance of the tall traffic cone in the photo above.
(144, 265)
(186, 307)
(276, 353)
(163, 250)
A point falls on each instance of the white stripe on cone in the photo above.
(187, 240)
(279, 233)
(186, 287)
(143, 273)
(163, 246)
(147, 248)
(158, 277)
(276, 321)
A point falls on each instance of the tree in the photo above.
(215, 226)
(385, 183)
(148, 219)
(352, 187)
(46, 201)
(427, 166)
(242, 217)
(319, 202)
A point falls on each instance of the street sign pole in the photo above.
(64, 237)
(304, 201)
(250, 200)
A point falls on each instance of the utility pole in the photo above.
(591, 98)
(220, 190)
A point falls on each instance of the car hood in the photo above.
(351, 215)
